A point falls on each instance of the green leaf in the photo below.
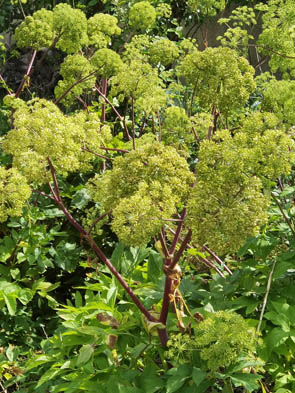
(155, 266)
(85, 354)
(49, 374)
(281, 268)
(249, 381)
(10, 302)
(117, 255)
(275, 338)
(78, 299)
(149, 381)
(198, 376)
(278, 319)
(227, 387)
(81, 199)
(178, 377)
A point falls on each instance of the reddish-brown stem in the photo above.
(96, 221)
(104, 92)
(163, 243)
(121, 118)
(153, 125)
(46, 195)
(27, 74)
(166, 298)
(195, 135)
(142, 126)
(163, 335)
(205, 260)
(217, 259)
(56, 188)
(210, 264)
(216, 115)
(97, 154)
(57, 101)
(131, 34)
(98, 251)
(178, 231)
(83, 103)
(114, 149)
(182, 247)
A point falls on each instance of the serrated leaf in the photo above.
(249, 381)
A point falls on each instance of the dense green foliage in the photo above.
(147, 194)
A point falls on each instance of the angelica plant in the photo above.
(194, 168)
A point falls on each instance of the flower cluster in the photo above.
(73, 69)
(14, 192)
(143, 189)
(227, 203)
(100, 28)
(137, 48)
(206, 7)
(106, 62)
(64, 24)
(42, 131)
(139, 81)
(219, 77)
(277, 35)
(35, 31)
(223, 337)
(163, 51)
(177, 127)
(237, 36)
(279, 97)
(70, 27)
(142, 15)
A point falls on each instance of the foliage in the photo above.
(147, 211)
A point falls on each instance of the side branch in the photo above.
(116, 112)
(178, 231)
(27, 75)
(96, 249)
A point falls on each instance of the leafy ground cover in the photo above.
(146, 199)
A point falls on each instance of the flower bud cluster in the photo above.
(219, 77)
(101, 27)
(142, 16)
(42, 131)
(143, 189)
